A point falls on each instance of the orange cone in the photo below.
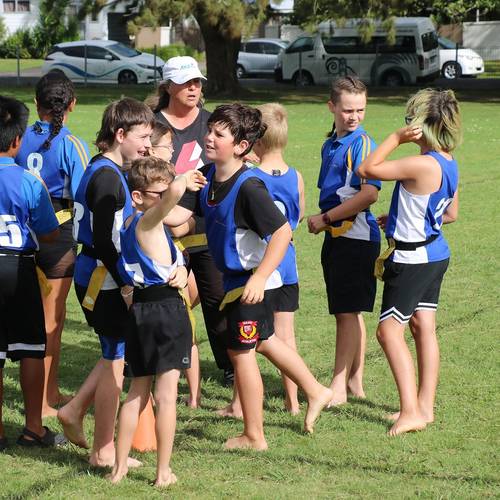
(145, 435)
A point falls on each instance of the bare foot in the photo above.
(191, 402)
(428, 417)
(336, 402)
(314, 408)
(292, 408)
(72, 427)
(244, 442)
(165, 479)
(48, 411)
(97, 461)
(116, 475)
(407, 424)
(233, 411)
(356, 390)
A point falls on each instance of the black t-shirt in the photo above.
(189, 144)
(105, 196)
(254, 208)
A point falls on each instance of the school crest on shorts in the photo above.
(248, 332)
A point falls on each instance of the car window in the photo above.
(96, 52)
(271, 48)
(429, 41)
(76, 51)
(254, 47)
(445, 43)
(303, 44)
(341, 45)
(123, 50)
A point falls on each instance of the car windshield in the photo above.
(123, 50)
(445, 43)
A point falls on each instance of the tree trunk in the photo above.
(221, 54)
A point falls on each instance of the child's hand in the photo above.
(178, 278)
(254, 290)
(127, 293)
(194, 180)
(315, 223)
(409, 134)
(251, 157)
(382, 221)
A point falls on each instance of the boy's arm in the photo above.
(192, 180)
(275, 251)
(183, 229)
(302, 197)
(451, 213)
(375, 165)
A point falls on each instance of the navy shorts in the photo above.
(285, 298)
(249, 323)
(411, 287)
(112, 348)
(22, 322)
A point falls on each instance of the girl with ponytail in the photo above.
(51, 152)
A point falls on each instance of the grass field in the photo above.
(10, 65)
(349, 456)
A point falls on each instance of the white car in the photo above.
(454, 64)
(107, 62)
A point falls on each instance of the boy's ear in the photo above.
(72, 105)
(331, 106)
(136, 197)
(120, 135)
(241, 147)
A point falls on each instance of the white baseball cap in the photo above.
(181, 69)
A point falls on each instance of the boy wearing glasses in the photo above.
(158, 342)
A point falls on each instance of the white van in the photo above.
(336, 52)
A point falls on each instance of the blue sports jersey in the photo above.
(25, 208)
(236, 251)
(284, 190)
(83, 223)
(136, 268)
(416, 217)
(61, 166)
(337, 181)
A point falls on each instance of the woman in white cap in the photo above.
(179, 104)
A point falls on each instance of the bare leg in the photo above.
(251, 392)
(165, 399)
(233, 409)
(137, 398)
(347, 345)
(284, 330)
(390, 334)
(2, 431)
(355, 380)
(32, 375)
(193, 378)
(54, 308)
(106, 401)
(290, 363)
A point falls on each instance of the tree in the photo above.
(222, 24)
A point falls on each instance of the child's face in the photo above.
(349, 111)
(187, 94)
(163, 149)
(219, 144)
(135, 143)
(146, 198)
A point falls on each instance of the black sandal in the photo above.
(48, 439)
(3, 443)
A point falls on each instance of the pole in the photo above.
(154, 62)
(85, 65)
(18, 56)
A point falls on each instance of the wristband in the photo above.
(127, 294)
(326, 219)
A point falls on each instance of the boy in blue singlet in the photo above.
(158, 344)
(248, 237)
(286, 186)
(425, 197)
(26, 217)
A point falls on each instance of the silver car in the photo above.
(258, 55)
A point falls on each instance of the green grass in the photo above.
(349, 456)
(10, 65)
(491, 69)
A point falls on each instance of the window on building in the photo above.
(16, 5)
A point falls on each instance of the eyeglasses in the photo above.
(408, 119)
(159, 193)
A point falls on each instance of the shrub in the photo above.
(173, 50)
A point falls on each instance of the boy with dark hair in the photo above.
(26, 216)
(158, 343)
(102, 203)
(248, 237)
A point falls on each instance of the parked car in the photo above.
(332, 53)
(107, 62)
(456, 63)
(259, 55)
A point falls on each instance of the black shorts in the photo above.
(411, 287)
(22, 323)
(57, 260)
(348, 266)
(110, 314)
(285, 298)
(248, 324)
(160, 337)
